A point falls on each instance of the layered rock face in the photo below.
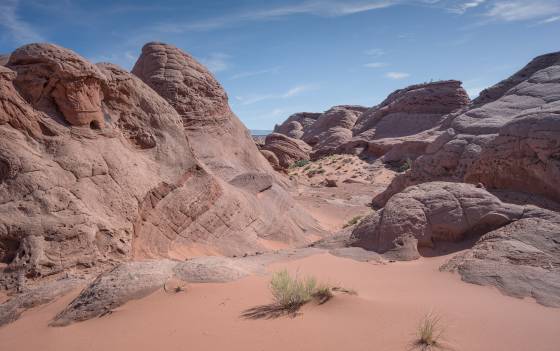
(508, 139)
(216, 135)
(405, 118)
(286, 150)
(96, 168)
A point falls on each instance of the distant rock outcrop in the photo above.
(508, 139)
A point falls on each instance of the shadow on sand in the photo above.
(271, 311)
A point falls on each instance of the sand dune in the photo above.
(391, 300)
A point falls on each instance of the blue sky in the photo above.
(275, 58)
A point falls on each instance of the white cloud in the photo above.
(465, 6)
(255, 73)
(19, 31)
(510, 11)
(327, 8)
(376, 52)
(376, 64)
(216, 62)
(294, 91)
(397, 75)
(550, 20)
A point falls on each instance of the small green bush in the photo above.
(405, 166)
(299, 163)
(291, 293)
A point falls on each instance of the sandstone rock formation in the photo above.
(406, 117)
(401, 127)
(96, 168)
(134, 280)
(216, 135)
(508, 139)
(287, 150)
(518, 251)
(521, 259)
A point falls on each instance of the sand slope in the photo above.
(392, 298)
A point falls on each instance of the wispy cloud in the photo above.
(465, 6)
(376, 64)
(294, 91)
(216, 62)
(19, 31)
(550, 20)
(397, 75)
(326, 8)
(254, 73)
(510, 11)
(375, 52)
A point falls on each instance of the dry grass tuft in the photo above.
(429, 332)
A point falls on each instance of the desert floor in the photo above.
(391, 300)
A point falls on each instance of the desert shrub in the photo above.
(353, 221)
(289, 292)
(299, 163)
(429, 332)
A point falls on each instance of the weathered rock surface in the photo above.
(521, 259)
(331, 130)
(12, 309)
(78, 197)
(135, 280)
(431, 212)
(508, 139)
(216, 135)
(407, 116)
(286, 149)
(518, 252)
(55, 79)
(296, 124)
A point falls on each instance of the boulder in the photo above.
(432, 212)
(286, 149)
(296, 124)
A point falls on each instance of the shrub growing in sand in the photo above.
(291, 293)
(429, 332)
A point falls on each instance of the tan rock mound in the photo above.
(286, 149)
(432, 212)
(215, 134)
(297, 124)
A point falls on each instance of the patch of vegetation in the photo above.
(353, 221)
(291, 293)
(405, 166)
(429, 332)
(299, 163)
